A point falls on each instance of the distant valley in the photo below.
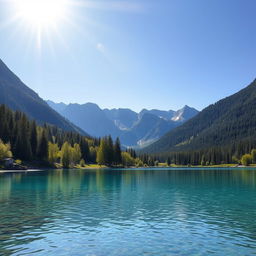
(133, 129)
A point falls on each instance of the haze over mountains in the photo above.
(133, 129)
(230, 120)
(17, 96)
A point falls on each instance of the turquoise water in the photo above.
(153, 212)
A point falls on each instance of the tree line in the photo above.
(23, 139)
(234, 153)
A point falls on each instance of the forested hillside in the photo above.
(229, 120)
(17, 96)
(223, 130)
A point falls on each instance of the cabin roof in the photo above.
(7, 159)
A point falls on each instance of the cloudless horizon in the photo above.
(134, 54)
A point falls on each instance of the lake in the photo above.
(153, 212)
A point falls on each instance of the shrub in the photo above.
(246, 159)
(82, 163)
(18, 161)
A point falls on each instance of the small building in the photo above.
(8, 162)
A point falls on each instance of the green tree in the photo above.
(76, 154)
(127, 159)
(105, 152)
(33, 138)
(22, 148)
(253, 153)
(168, 162)
(66, 156)
(109, 154)
(5, 150)
(117, 152)
(82, 163)
(235, 160)
(101, 153)
(246, 159)
(138, 162)
(42, 151)
(53, 153)
(93, 154)
(151, 161)
(85, 149)
(29, 141)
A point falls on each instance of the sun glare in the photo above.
(41, 12)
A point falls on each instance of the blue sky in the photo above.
(136, 54)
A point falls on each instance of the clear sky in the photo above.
(136, 54)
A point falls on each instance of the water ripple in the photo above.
(128, 213)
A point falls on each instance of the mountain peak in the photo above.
(185, 113)
(186, 107)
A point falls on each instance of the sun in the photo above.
(41, 13)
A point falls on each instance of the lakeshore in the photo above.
(97, 167)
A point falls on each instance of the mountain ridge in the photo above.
(18, 96)
(230, 119)
(130, 126)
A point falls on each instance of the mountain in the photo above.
(17, 96)
(58, 107)
(149, 128)
(123, 118)
(90, 118)
(184, 114)
(230, 120)
(167, 115)
(134, 129)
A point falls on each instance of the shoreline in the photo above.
(40, 169)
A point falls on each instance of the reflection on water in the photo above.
(128, 212)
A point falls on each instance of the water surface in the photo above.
(153, 212)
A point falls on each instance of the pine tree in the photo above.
(18, 147)
(93, 154)
(117, 152)
(33, 138)
(22, 145)
(101, 154)
(109, 151)
(168, 162)
(42, 151)
(84, 149)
